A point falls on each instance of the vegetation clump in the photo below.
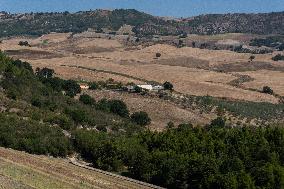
(24, 43)
(168, 86)
(87, 99)
(278, 57)
(251, 58)
(141, 118)
(267, 90)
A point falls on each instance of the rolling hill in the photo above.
(143, 24)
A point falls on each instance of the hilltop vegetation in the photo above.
(262, 23)
(143, 24)
(43, 23)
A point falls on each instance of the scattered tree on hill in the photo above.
(251, 58)
(168, 86)
(21, 64)
(267, 90)
(218, 122)
(24, 43)
(141, 118)
(278, 57)
(93, 86)
(87, 99)
(118, 107)
(158, 55)
(71, 88)
(44, 72)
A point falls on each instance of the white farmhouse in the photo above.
(146, 87)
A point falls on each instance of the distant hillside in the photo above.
(42, 23)
(143, 24)
(263, 23)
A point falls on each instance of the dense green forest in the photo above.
(40, 115)
(187, 157)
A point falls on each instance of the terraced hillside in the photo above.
(25, 171)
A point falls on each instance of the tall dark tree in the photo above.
(44, 72)
(141, 118)
(72, 88)
(168, 86)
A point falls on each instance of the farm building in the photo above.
(146, 87)
(84, 86)
(158, 87)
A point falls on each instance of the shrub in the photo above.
(251, 58)
(94, 86)
(118, 107)
(278, 57)
(87, 99)
(37, 102)
(71, 88)
(24, 43)
(141, 118)
(44, 72)
(158, 55)
(137, 89)
(267, 90)
(62, 120)
(218, 122)
(79, 116)
(24, 65)
(168, 86)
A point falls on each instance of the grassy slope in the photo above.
(22, 170)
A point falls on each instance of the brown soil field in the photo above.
(192, 71)
(160, 111)
(22, 170)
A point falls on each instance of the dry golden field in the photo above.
(192, 71)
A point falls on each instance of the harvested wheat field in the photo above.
(274, 79)
(193, 71)
(25, 171)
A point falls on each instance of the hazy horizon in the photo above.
(181, 8)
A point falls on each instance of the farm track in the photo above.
(109, 72)
(34, 171)
(75, 162)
